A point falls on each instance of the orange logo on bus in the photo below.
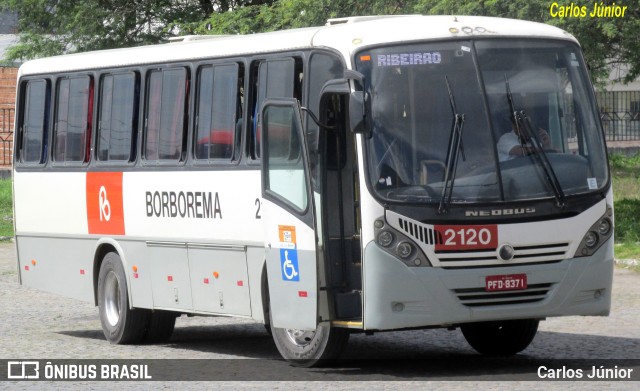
(105, 213)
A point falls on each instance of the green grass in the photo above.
(625, 173)
(6, 208)
(627, 220)
(626, 176)
(626, 250)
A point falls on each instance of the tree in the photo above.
(606, 42)
(284, 14)
(49, 27)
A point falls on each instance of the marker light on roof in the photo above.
(453, 30)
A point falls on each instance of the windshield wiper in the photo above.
(454, 149)
(526, 133)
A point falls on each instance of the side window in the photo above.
(72, 132)
(219, 112)
(278, 78)
(34, 121)
(117, 111)
(165, 115)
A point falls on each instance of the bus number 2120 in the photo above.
(466, 237)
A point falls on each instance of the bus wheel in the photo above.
(309, 348)
(120, 324)
(161, 325)
(501, 338)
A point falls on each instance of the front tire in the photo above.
(120, 324)
(500, 338)
(309, 348)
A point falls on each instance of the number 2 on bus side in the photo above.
(466, 237)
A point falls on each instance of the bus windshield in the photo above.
(481, 121)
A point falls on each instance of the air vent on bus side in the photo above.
(420, 233)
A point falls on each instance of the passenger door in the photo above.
(290, 239)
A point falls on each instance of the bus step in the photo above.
(348, 305)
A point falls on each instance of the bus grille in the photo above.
(478, 297)
(530, 254)
(545, 253)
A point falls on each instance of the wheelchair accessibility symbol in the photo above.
(289, 264)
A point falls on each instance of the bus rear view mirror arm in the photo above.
(359, 113)
(315, 119)
(359, 104)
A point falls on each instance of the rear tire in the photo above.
(161, 325)
(500, 338)
(120, 324)
(310, 348)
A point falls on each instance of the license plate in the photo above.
(506, 282)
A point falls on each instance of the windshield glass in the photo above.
(426, 96)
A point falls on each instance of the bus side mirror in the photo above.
(359, 102)
(359, 113)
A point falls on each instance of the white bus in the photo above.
(376, 173)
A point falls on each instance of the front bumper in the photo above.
(397, 296)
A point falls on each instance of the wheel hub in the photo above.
(301, 337)
(112, 298)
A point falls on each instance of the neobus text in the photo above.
(499, 212)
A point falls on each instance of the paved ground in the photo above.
(37, 325)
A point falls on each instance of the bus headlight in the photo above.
(598, 234)
(393, 238)
(604, 227)
(591, 239)
(404, 250)
(385, 238)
